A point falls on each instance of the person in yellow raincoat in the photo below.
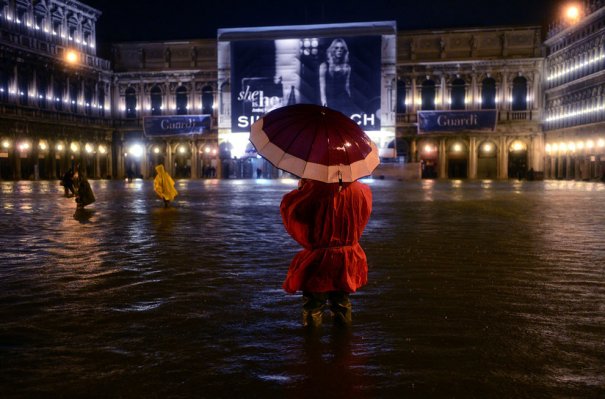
(163, 185)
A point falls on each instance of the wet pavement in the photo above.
(476, 290)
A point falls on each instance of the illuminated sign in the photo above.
(454, 121)
(175, 125)
(341, 72)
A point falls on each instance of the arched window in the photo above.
(428, 95)
(156, 100)
(519, 94)
(401, 97)
(131, 103)
(88, 98)
(42, 82)
(181, 100)
(23, 87)
(458, 94)
(488, 93)
(4, 77)
(58, 93)
(101, 101)
(73, 97)
(207, 100)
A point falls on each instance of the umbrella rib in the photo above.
(343, 141)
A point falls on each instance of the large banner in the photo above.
(454, 121)
(175, 125)
(342, 73)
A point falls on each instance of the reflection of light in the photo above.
(135, 150)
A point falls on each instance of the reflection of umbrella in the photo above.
(315, 142)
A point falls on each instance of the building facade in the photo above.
(61, 105)
(574, 91)
(55, 104)
(468, 71)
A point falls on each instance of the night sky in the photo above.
(154, 20)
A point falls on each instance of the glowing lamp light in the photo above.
(156, 150)
(182, 149)
(88, 148)
(136, 150)
(571, 146)
(572, 13)
(102, 149)
(71, 57)
(24, 146)
(601, 143)
(6, 144)
(74, 147)
(42, 146)
(517, 146)
(555, 147)
(562, 147)
(457, 147)
(487, 147)
(59, 147)
(580, 145)
(590, 144)
(207, 150)
(547, 148)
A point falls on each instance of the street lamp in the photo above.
(71, 56)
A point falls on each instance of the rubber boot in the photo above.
(313, 305)
(341, 309)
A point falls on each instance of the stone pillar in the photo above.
(17, 156)
(472, 162)
(413, 151)
(52, 155)
(502, 158)
(145, 163)
(442, 91)
(414, 94)
(442, 159)
(194, 160)
(504, 104)
(97, 170)
(474, 92)
(168, 165)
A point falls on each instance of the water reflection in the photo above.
(476, 289)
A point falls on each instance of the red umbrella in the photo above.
(315, 142)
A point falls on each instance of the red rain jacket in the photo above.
(328, 224)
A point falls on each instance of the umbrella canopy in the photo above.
(316, 143)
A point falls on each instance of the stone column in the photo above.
(472, 164)
(442, 160)
(414, 94)
(194, 160)
(413, 151)
(168, 165)
(502, 159)
(97, 171)
(474, 92)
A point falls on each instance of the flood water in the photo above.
(476, 290)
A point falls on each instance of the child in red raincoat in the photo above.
(327, 219)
